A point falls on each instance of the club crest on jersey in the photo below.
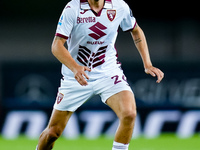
(59, 97)
(111, 14)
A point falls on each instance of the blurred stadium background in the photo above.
(29, 74)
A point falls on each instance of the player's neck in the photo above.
(96, 5)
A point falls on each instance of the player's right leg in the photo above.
(56, 125)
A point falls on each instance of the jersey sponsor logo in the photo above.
(95, 42)
(59, 98)
(111, 14)
(91, 59)
(86, 20)
(97, 29)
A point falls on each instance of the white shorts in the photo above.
(71, 95)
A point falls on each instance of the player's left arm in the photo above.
(141, 44)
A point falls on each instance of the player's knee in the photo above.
(128, 116)
(53, 134)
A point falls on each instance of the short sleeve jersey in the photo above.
(91, 36)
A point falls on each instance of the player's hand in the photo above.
(80, 75)
(153, 71)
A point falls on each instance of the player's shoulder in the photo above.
(71, 7)
(120, 5)
(73, 4)
(120, 2)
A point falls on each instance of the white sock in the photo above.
(36, 148)
(119, 146)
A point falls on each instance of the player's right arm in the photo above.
(63, 55)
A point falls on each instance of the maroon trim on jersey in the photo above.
(135, 25)
(118, 62)
(84, 4)
(62, 36)
(116, 52)
(97, 14)
(83, 1)
(131, 28)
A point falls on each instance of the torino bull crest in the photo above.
(111, 14)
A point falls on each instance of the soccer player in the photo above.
(90, 66)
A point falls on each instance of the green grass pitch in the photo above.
(164, 142)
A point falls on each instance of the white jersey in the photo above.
(91, 36)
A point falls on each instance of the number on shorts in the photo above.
(117, 80)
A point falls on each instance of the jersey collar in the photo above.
(85, 4)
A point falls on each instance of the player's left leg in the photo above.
(123, 104)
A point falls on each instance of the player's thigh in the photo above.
(58, 120)
(123, 103)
